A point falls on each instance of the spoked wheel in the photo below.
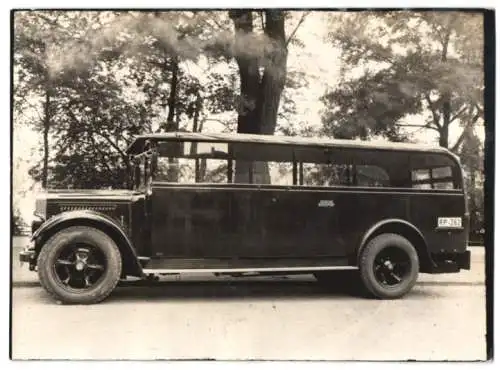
(389, 266)
(79, 265)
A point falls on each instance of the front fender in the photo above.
(99, 220)
(82, 214)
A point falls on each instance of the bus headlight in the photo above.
(41, 207)
(40, 213)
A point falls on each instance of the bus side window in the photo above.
(328, 175)
(371, 176)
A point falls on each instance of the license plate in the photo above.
(450, 222)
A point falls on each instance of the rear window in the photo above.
(434, 171)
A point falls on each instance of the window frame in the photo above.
(352, 157)
(455, 177)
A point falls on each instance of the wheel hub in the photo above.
(82, 256)
(388, 264)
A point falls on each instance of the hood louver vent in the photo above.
(99, 208)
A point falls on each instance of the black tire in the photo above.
(104, 269)
(389, 266)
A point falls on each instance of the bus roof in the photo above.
(138, 144)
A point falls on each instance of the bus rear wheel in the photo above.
(389, 266)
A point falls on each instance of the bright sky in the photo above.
(318, 59)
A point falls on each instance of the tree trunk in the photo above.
(172, 98)
(46, 128)
(446, 107)
(172, 124)
(248, 67)
(196, 114)
(260, 97)
(200, 166)
(129, 180)
(471, 121)
(274, 77)
(472, 201)
(444, 133)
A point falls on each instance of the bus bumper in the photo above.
(451, 262)
(28, 255)
(464, 260)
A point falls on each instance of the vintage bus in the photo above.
(254, 204)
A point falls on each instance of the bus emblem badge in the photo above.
(326, 203)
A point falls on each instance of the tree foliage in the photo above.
(17, 223)
(426, 66)
(90, 81)
(397, 64)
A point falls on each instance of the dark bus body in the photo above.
(260, 204)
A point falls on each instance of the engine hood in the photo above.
(125, 207)
(118, 204)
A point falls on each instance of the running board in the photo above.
(245, 270)
(244, 264)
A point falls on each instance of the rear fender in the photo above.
(405, 229)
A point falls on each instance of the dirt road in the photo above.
(443, 318)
